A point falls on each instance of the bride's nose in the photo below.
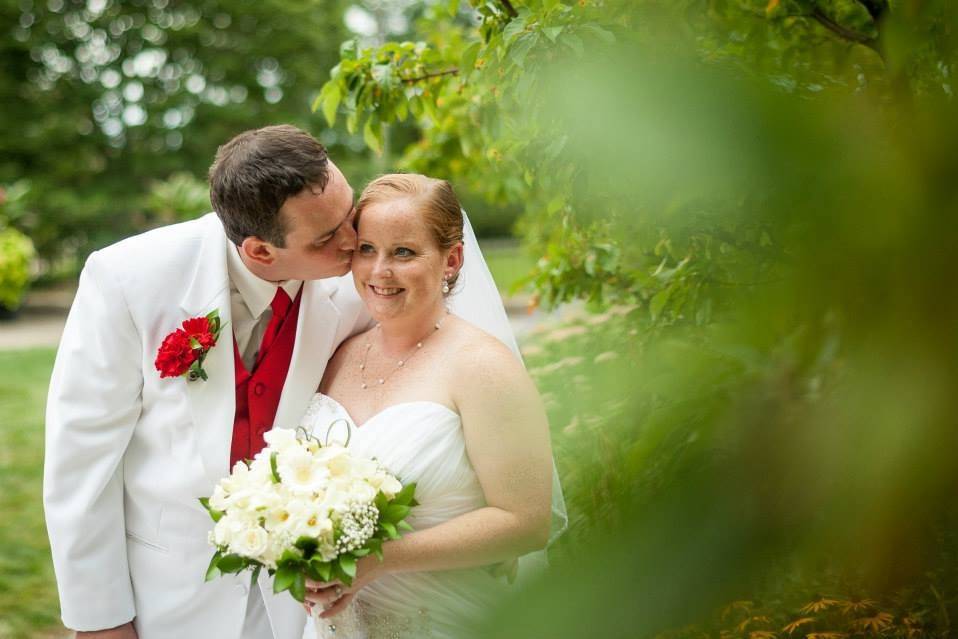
(381, 267)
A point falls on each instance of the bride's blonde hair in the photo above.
(433, 199)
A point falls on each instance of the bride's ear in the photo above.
(454, 260)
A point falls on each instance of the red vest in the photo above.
(257, 393)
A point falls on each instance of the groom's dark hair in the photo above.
(256, 171)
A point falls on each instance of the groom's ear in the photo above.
(258, 251)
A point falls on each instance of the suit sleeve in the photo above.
(93, 405)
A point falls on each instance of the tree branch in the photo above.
(509, 8)
(841, 31)
(437, 74)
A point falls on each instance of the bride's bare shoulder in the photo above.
(477, 351)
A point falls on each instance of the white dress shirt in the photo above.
(250, 299)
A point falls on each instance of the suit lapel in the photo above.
(316, 330)
(213, 402)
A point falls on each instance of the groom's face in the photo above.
(320, 237)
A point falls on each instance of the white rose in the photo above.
(362, 491)
(251, 542)
(219, 500)
(390, 486)
(227, 528)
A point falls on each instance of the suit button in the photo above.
(259, 388)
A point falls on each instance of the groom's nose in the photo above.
(346, 236)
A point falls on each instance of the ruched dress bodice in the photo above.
(421, 442)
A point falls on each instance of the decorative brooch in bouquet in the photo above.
(304, 509)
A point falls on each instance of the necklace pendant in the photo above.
(382, 381)
(418, 344)
(364, 386)
(401, 362)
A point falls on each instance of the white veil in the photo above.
(476, 299)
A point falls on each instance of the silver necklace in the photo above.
(400, 363)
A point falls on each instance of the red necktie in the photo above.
(280, 306)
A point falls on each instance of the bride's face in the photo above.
(398, 266)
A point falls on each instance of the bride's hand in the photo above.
(334, 596)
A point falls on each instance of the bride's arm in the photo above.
(507, 439)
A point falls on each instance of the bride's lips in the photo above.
(385, 291)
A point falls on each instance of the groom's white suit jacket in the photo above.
(128, 454)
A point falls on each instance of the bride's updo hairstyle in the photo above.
(433, 200)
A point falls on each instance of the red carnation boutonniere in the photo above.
(183, 351)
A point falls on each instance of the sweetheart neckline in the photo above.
(386, 409)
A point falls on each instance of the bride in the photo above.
(438, 402)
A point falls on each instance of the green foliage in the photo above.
(28, 596)
(178, 198)
(102, 100)
(751, 197)
(16, 253)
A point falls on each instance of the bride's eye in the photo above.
(402, 251)
(366, 249)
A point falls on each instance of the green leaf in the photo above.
(349, 50)
(348, 564)
(403, 497)
(468, 61)
(513, 29)
(298, 587)
(272, 467)
(372, 135)
(308, 545)
(552, 32)
(404, 526)
(213, 570)
(453, 7)
(390, 529)
(659, 300)
(606, 36)
(518, 53)
(255, 575)
(331, 102)
(216, 515)
(323, 570)
(284, 578)
(339, 573)
(360, 552)
(396, 512)
(574, 42)
(232, 563)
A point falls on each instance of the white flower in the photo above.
(219, 499)
(281, 439)
(336, 459)
(251, 542)
(390, 486)
(301, 471)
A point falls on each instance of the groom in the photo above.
(129, 451)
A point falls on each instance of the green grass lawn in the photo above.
(507, 261)
(28, 596)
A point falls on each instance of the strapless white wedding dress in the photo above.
(422, 442)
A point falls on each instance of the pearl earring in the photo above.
(445, 285)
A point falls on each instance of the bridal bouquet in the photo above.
(303, 509)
